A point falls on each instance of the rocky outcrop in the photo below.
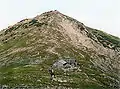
(65, 64)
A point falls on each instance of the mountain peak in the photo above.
(52, 12)
(31, 46)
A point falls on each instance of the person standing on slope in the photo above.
(51, 72)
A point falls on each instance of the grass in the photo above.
(37, 75)
(105, 39)
(31, 74)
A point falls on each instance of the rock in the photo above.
(65, 64)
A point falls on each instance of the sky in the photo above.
(99, 14)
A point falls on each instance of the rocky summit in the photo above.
(80, 57)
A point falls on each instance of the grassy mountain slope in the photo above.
(31, 46)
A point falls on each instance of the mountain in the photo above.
(30, 47)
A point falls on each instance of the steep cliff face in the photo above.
(31, 46)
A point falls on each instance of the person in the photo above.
(51, 72)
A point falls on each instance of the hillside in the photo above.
(31, 46)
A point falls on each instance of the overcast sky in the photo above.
(99, 14)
